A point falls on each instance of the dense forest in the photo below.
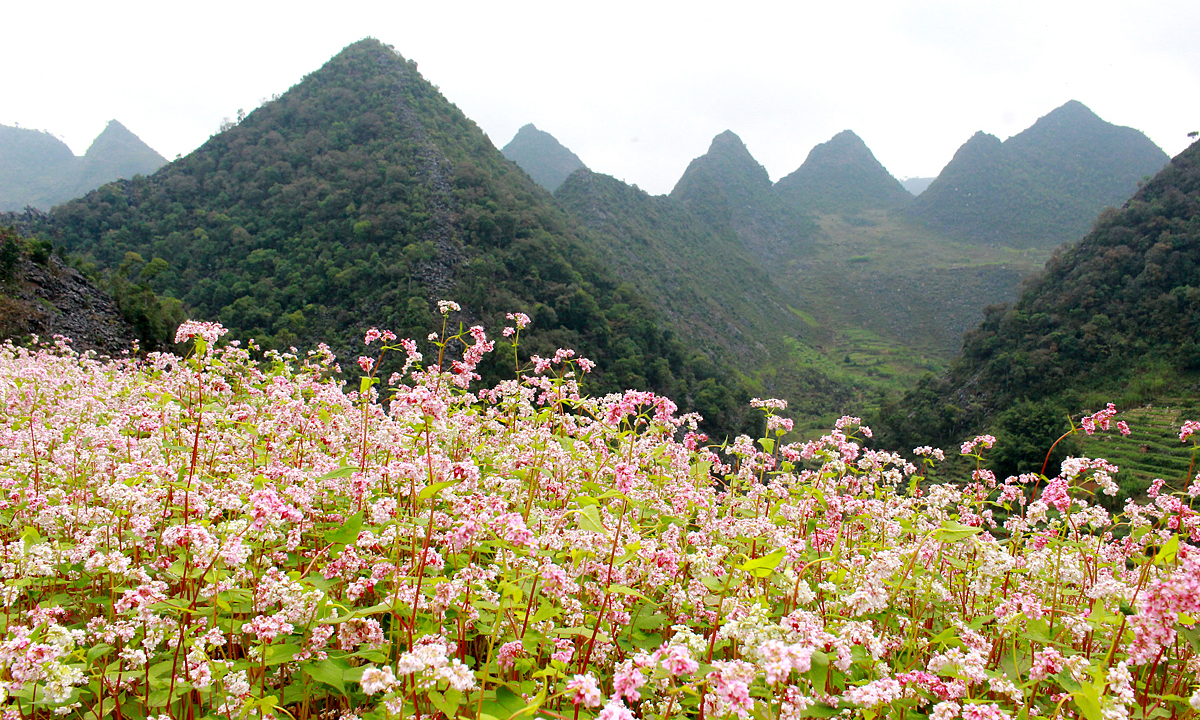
(1115, 311)
(358, 198)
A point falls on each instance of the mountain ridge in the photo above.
(1041, 186)
(842, 175)
(541, 155)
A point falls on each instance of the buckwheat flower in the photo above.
(208, 331)
(969, 446)
(615, 710)
(509, 652)
(365, 363)
(1124, 428)
(876, 692)
(947, 710)
(984, 711)
(772, 403)
(445, 307)
(927, 451)
(458, 675)
(677, 660)
(376, 680)
(521, 319)
(1194, 701)
(587, 692)
(585, 365)
(627, 678)
(1046, 662)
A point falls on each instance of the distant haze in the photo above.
(635, 89)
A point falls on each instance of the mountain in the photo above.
(707, 283)
(729, 189)
(39, 170)
(359, 198)
(916, 185)
(36, 169)
(1040, 187)
(1114, 316)
(842, 175)
(116, 153)
(542, 156)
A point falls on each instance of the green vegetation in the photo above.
(1113, 317)
(359, 198)
(39, 170)
(1041, 186)
(542, 156)
(842, 175)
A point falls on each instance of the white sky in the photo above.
(636, 89)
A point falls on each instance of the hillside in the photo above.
(842, 175)
(39, 170)
(116, 153)
(359, 198)
(41, 295)
(1114, 316)
(538, 153)
(708, 285)
(729, 189)
(1041, 186)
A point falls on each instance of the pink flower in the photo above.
(677, 660)
(587, 692)
(1188, 428)
(365, 363)
(521, 319)
(982, 440)
(207, 331)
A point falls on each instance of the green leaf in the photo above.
(763, 567)
(327, 671)
(589, 519)
(342, 472)
(431, 490)
(447, 703)
(279, 654)
(623, 590)
(1168, 551)
(952, 531)
(348, 532)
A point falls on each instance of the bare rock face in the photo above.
(56, 299)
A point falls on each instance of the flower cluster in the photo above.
(219, 536)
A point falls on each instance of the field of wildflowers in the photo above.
(225, 537)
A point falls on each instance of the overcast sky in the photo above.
(636, 89)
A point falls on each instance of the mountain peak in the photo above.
(1042, 186)
(842, 175)
(727, 167)
(541, 155)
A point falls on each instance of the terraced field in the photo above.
(1152, 451)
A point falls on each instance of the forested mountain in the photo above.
(542, 156)
(842, 175)
(707, 283)
(1041, 186)
(116, 153)
(358, 198)
(728, 188)
(1116, 312)
(39, 170)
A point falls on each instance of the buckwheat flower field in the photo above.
(225, 537)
